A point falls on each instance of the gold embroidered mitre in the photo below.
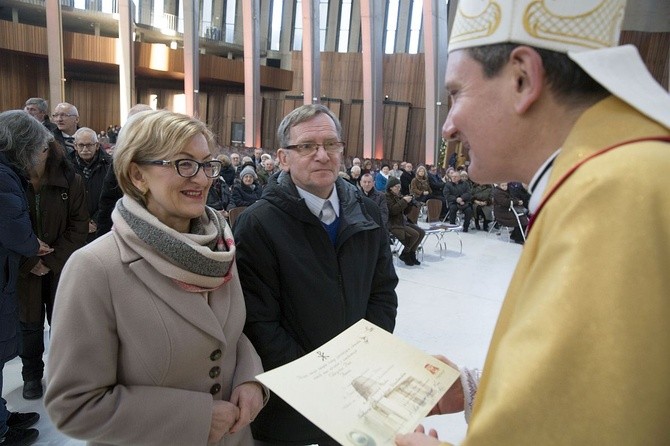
(559, 25)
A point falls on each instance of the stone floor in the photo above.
(447, 305)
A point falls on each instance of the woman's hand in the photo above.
(224, 415)
(40, 269)
(418, 438)
(248, 397)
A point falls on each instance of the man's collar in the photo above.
(315, 204)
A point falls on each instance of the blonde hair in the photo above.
(153, 135)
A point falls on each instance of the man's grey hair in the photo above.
(22, 138)
(83, 130)
(40, 103)
(302, 114)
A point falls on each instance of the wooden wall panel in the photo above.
(655, 51)
(23, 38)
(16, 86)
(98, 103)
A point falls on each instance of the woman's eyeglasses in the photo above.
(188, 168)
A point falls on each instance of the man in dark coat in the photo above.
(38, 108)
(92, 165)
(369, 190)
(406, 178)
(313, 259)
(459, 198)
(66, 118)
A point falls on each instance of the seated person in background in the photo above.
(504, 213)
(266, 170)
(459, 198)
(406, 178)
(382, 177)
(228, 172)
(368, 189)
(219, 196)
(354, 175)
(481, 200)
(520, 193)
(419, 187)
(395, 171)
(409, 234)
(247, 191)
(246, 161)
(437, 189)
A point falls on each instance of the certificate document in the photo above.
(364, 386)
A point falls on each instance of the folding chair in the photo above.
(233, 214)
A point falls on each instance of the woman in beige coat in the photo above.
(147, 345)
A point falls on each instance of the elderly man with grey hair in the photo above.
(38, 108)
(92, 164)
(66, 118)
(313, 258)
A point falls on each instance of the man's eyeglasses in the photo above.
(189, 168)
(86, 146)
(309, 149)
(62, 115)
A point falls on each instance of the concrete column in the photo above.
(372, 20)
(311, 55)
(191, 57)
(252, 86)
(125, 47)
(55, 52)
(435, 39)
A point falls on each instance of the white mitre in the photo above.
(587, 30)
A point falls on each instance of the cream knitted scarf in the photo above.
(200, 260)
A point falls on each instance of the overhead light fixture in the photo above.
(173, 45)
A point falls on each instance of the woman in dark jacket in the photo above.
(22, 140)
(59, 215)
(247, 191)
(503, 210)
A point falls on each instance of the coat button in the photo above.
(216, 371)
(216, 355)
(215, 389)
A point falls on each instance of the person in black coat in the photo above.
(247, 191)
(459, 198)
(308, 276)
(406, 178)
(92, 164)
(22, 142)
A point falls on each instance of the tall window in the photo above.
(415, 26)
(297, 26)
(391, 26)
(275, 25)
(230, 21)
(345, 26)
(323, 22)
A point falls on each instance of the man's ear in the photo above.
(529, 76)
(282, 156)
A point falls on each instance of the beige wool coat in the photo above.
(136, 360)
